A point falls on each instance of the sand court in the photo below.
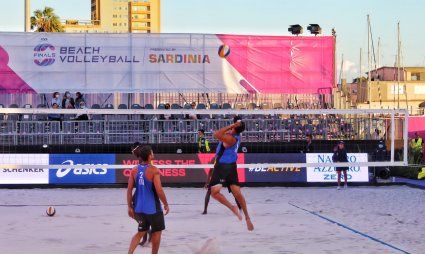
(287, 220)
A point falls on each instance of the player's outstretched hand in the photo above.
(167, 209)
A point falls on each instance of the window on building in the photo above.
(416, 76)
(114, 24)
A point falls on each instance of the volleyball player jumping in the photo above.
(225, 169)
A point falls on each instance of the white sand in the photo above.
(95, 221)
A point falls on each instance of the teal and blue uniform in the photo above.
(225, 168)
(230, 154)
(146, 203)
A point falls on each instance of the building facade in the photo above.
(392, 88)
(119, 16)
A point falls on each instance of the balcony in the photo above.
(74, 22)
(140, 12)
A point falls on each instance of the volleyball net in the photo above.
(274, 146)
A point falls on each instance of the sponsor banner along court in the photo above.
(97, 170)
(328, 174)
(24, 175)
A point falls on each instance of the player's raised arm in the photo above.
(223, 136)
(159, 190)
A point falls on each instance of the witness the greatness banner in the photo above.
(175, 175)
(107, 63)
(275, 174)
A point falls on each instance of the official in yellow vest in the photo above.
(203, 143)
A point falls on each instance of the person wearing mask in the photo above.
(54, 117)
(340, 155)
(78, 99)
(56, 99)
(203, 144)
(82, 117)
(68, 101)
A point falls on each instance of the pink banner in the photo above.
(284, 64)
(151, 63)
(417, 124)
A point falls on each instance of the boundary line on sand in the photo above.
(351, 229)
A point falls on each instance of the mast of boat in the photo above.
(398, 65)
(368, 62)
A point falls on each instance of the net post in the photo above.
(392, 136)
(405, 136)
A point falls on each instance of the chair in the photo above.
(122, 106)
(27, 117)
(41, 117)
(239, 105)
(277, 105)
(214, 106)
(226, 106)
(176, 106)
(203, 116)
(149, 106)
(252, 105)
(136, 116)
(265, 105)
(148, 117)
(96, 117)
(13, 117)
(161, 106)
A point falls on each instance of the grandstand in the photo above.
(37, 129)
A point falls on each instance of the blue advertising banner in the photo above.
(274, 174)
(96, 171)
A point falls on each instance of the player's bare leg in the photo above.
(236, 191)
(345, 178)
(339, 178)
(135, 241)
(156, 241)
(215, 193)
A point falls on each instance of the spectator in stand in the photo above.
(56, 99)
(68, 101)
(82, 117)
(54, 117)
(308, 147)
(167, 116)
(376, 135)
(340, 155)
(78, 99)
(203, 143)
(192, 116)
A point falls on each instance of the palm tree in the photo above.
(46, 21)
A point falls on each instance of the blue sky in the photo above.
(273, 17)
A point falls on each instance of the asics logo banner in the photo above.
(92, 169)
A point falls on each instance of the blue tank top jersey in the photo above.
(230, 154)
(145, 198)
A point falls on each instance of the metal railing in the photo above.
(121, 131)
